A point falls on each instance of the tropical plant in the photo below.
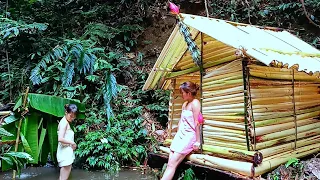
(117, 142)
(15, 159)
(38, 130)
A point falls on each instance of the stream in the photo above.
(49, 173)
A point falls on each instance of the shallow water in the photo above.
(43, 173)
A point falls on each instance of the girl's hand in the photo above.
(196, 146)
(74, 146)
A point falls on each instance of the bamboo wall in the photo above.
(223, 107)
(281, 107)
(285, 112)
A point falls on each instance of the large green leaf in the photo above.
(44, 151)
(26, 145)
(53, 136)
(53, 105)
(32, 135)
(41, 140)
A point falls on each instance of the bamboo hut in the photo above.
(260, 93)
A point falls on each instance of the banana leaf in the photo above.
(44, 151)
(52, 127)
(32, 135)
(41, 140)
(54, 105)
(26, 145)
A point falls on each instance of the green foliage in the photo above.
(293, 162)
(188, 174)
(277, 13)
(15, 159)
(10, 28)
(118, 141)
(39, 127)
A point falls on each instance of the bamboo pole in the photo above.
(268, 165)
(286, 108)
(230, 125)
(224, 101)
(242, 155)
(224, 138)
(19, 127)
(283, 76)
(287, 132)
(202, 73)
(225, 69)
(224, 144)
(272, 115)
(269, 82)
(218, 129)
(172, 109)
(227, 106)
(224, 118)
(223, 80)
(270, 143)
(244, 168)
(223, 86)
(288, 146)
(233, 72)
(5, 113)
(287, 119)
(232, 90)
(300, 98)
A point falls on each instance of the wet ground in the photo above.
(43, 173)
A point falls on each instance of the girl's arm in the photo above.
(196, 112)
(62, 131)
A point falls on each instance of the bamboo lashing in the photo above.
(294, 109)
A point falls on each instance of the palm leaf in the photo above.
(53, 105)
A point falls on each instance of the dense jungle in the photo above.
(100, 53)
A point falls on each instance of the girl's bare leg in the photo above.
(174, 160)
(65, 172)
